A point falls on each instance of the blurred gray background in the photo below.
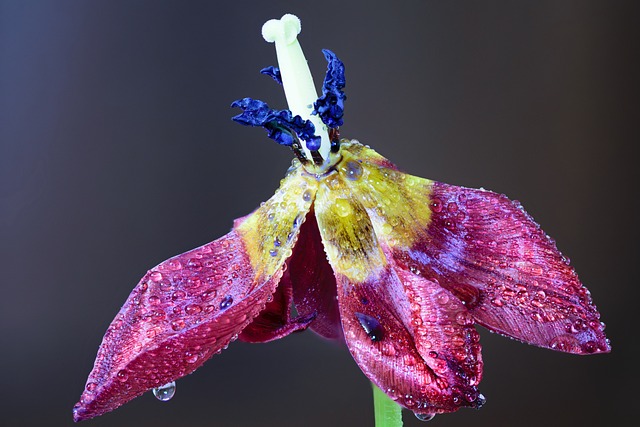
(117, 151)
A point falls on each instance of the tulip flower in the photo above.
(400, 268)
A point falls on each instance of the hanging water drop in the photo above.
(370, 325)
(425, 417)
(480, 401)
(166, 392)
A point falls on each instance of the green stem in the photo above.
(387, 412)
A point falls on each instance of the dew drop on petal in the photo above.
(226, 302)
(425, 417)
(175, 264)
(370, 325)
(166, 392)
(342, 207)
(179, 294)
(123, 375)
(353, 170)
(192, 309)
(436, 205)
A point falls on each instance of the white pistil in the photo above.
(296, 78)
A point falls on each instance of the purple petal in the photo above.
(275, 322)
(490, 253)
(181, 313)
(314, 285)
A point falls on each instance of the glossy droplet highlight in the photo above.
(480, 401)
(166, 392)
(343, 207)
(192, 309)
(425, 417)
(226, 302)
(370, 325)
(353, 170)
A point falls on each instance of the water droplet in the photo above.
(480, 401)
(123, 375)
(442, 298)
(166, 392)
(387, 228)
(497, 302)
(226, 302)
(176, 325)
(578, 325)
(565, 343)
(452, 207)
(388, 349)
(194, 264)
(174, 264)
(209, 295)
(590, 347)
(91, 386)
(370, 325)
(156, 276)
(192, 309)
(464, 318)
(342, 207)
(178, 295)
(154, 299)
(306, 196)
(276, 242)
(353, 170)
(425, 417)
(273, 252)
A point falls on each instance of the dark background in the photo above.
(117, 151)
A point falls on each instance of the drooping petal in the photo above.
(489, 252)
(191, 306)
(411, 337)
(483, 248)
(275, 322)
(314, 285)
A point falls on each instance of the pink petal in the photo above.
(274, 322)
(413, 339)
(193, 305)
(490, 253)
(314, 285)
(181, 313)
